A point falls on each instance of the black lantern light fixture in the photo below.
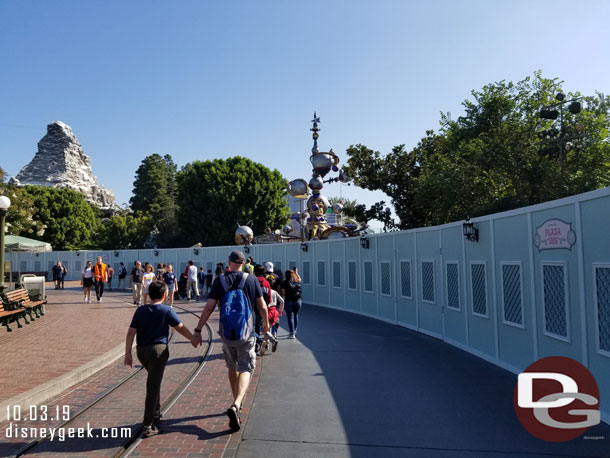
(470, 232)
(304, 247)
(195, 251)
(247, 249)
(560, 138)
(116, 254)
(156, 252)
(364, 242)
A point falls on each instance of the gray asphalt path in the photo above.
(351, 386)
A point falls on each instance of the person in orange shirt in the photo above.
(100, 276)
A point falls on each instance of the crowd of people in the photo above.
(251, 298)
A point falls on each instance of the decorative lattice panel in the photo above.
(321, 273)
(50, 264)
(453, 286)
(292, 265)
(24, 266)
(386, 278)
(210, 266)
(37, 266)
(368, 277)
(306, 273)
(427, 280)
(555, 300)
(405, 278)
(511, 289)
(479, 289)
(336, 274)
(351, 275)
(602, 284)
(277, 265)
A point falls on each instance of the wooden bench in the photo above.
(8, 314)
(21, 298)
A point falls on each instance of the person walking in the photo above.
(135, 279)
(232, 289)
(147, 279)
(122, 275)
(160, 271)
(169, 277)
(292, 292)
(110, 276)
(191, 281)
(100, 276)
(64, 273)
(201, 281)
(86, 280)
(208, 282)
(150, 327)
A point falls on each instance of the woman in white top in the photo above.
(86, 280)
(147, 279)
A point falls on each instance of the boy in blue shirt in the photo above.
(150, 325)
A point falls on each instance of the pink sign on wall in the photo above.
(554, 234)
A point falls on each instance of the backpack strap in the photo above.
(225, 283)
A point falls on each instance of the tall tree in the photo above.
(124, 231)
(154, 194)
(215, 196)
(69, 221)
(491, 159)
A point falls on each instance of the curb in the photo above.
(52, 388)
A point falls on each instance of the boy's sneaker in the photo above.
(291, 335)
(150, 431)
(274, 346)
(233, 414)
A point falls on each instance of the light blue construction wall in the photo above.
(500, 298)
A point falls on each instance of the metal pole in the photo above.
(561, 150)
(2, 220)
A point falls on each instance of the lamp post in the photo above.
(5, 203)
(560, 135)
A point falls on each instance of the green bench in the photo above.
(10, 313)
(21, 298)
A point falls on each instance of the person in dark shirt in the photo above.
(241, 360)
(58, 274)
(169, 277)
(135, 279)
(150, 326)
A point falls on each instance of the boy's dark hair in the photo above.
(156, 290)
(191, 263)
(209, 271)
(259, 270)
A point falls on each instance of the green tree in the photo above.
(124, 231)
(69, 221)
(20, 216)
(154, 194)
(491, 159)
(215, 196)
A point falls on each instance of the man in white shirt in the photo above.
(191, 280)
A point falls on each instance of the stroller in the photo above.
(181, 291)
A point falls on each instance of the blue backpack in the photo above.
(236, 317)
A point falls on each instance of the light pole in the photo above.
(5, 203)
(560, 136)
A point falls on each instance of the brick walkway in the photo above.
(196, 425)
(71, 332)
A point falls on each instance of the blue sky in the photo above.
(202, 79)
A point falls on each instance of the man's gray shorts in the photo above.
(241, 358)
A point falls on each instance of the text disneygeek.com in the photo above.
(14, 431)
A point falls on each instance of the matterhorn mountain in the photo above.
(60, 162)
